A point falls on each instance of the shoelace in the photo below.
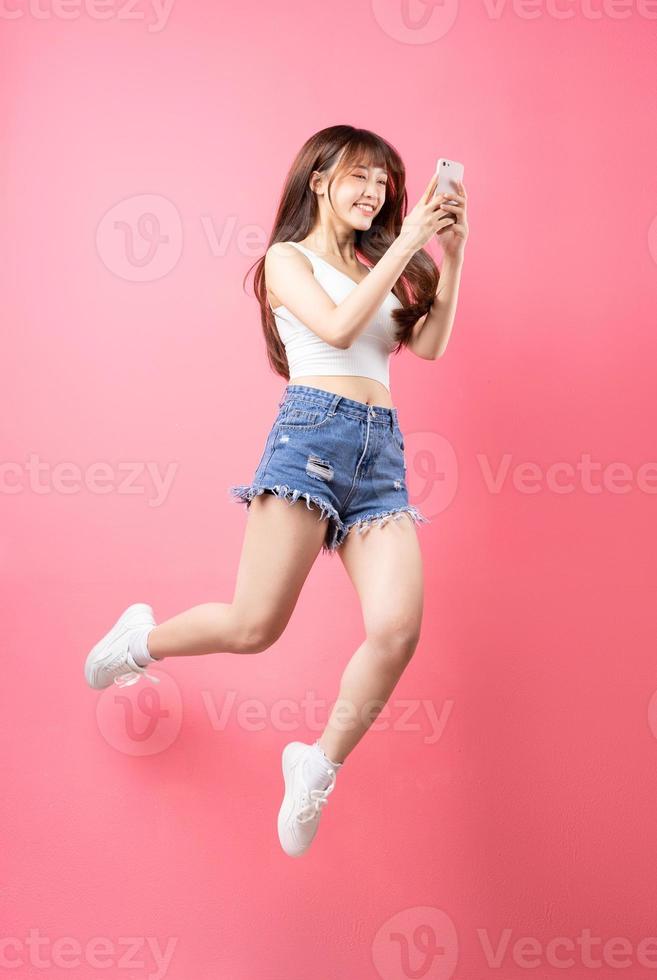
(318, 799)
(131, 677)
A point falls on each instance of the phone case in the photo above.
(448, 172)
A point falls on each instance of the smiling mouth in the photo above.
(365, 208)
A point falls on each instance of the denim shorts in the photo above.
(342, 456)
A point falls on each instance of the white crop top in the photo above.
(368, 356)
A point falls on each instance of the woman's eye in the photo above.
(363, 177)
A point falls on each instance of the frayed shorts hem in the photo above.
(337, 530)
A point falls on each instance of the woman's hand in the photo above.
(429, 217)
(453, 237)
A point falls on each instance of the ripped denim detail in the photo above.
(244, 493)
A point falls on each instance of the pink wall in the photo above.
(510, 788)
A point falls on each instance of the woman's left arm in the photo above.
(432, 331)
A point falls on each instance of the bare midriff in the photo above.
(361, 389)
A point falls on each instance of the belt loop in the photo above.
(334, 404)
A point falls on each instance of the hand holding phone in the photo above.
(426, 219)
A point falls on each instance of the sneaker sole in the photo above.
(138, 614)
(290, 752)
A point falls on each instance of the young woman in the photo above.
(330, 325)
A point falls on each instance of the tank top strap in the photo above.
(303, 249)
(321, 269)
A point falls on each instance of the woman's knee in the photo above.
(257, 633)
(395, 642)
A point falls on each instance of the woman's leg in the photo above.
(281, 543)
(385, 565)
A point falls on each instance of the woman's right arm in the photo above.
(291, 279)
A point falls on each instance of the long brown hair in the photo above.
(297, 215)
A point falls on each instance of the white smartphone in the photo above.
(449, 171)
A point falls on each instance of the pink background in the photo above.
(143, 813)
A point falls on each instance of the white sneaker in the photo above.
(298, 817)
(111, 660)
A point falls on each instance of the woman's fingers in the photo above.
(431, 186)
(444, 223)
(459, 195)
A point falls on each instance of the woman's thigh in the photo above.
(281, 542)
(385, 567)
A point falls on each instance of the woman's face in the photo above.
(359, 195)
